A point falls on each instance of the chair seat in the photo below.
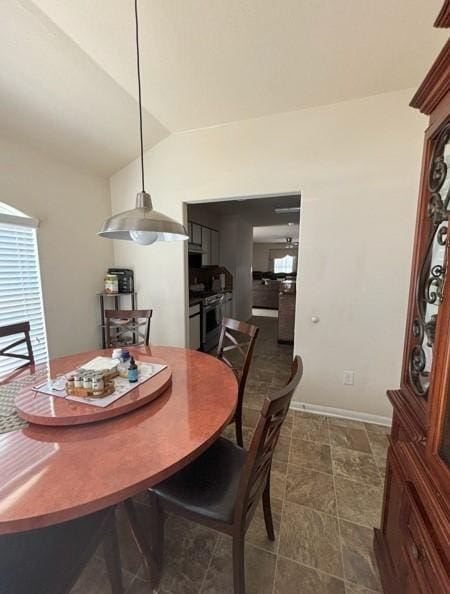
(48, 560)
(208, 486)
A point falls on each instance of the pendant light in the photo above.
(142, 224)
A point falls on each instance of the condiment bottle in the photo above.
(132, 371)
(70, 383)
(98, 385)
(78, 379)
(87, 382)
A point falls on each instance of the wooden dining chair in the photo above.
(127, 327)
(221, 488)
(236, 345)
(50, 560)
(13, 330)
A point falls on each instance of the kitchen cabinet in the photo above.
(196, 234)
(194, 327)
(214, 251)
(412, 545)
(206, 246)
(208, 240)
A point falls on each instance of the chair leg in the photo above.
(111, 552)
(267, 508)
(238, 424)
(239, 562)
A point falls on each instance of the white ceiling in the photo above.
(275, 233)
(57, 99)
(68, 68)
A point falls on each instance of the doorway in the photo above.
(243, 256)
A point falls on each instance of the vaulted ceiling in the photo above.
(68, 81)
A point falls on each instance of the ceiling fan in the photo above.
(291, 244)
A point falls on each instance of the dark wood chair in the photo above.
(50, 560)
(222, 488)
(236, 345)
(126, 327)
(12, 330)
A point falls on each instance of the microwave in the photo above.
(125, 277)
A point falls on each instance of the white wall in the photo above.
(71, 205)
(357, 165)
(261, 253)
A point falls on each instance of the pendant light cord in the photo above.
(139, 90)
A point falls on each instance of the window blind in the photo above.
(20, 288)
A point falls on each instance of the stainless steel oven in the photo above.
(212, 315)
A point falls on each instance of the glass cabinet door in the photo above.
(433, 266)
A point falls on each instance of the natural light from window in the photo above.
(20, 284)
(285, 264)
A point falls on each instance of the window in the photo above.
(20, 283)
(285, 264)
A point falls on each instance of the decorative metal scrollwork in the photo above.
(431, 281)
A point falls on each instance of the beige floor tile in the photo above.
(358, 556)
(381, 465)
(381, 429)
(349, 437)
(259, 570)
(339, 422)
(281, 453)
(358, 589)
(247, 435)
(139, 586)
(310, 454)
(356, 466)
(311, 428)
(254, 398)
(358, 502)
(310, 537)
(278, 479)
(379, 445)
(250, 417)
(261, 374)
(256, 532)
(188, 548)
(311, 488)
(94, 579)
(294, 578)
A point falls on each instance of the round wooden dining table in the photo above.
(52, 474)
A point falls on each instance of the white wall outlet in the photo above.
(349, 378)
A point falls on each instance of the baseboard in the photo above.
(342, 413)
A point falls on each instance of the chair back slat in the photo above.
(239, 339)
(259, 459)
(13, 330)
(127, 327)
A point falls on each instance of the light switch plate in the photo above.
(349, 378)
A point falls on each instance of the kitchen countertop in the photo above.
(195, 300)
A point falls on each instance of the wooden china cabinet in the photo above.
(413, 544)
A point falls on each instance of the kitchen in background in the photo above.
(210, 286)
(224, 237)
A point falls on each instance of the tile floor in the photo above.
(327, 481)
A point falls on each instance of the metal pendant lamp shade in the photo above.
(142, 224)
